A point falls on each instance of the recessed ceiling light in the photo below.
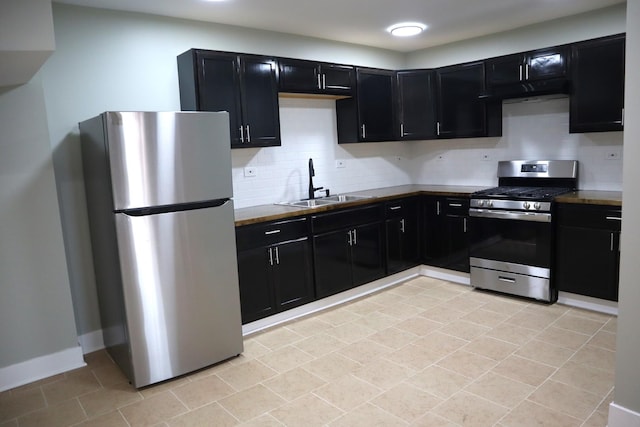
(406, 29)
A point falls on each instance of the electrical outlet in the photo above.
(341, 163)
(250, 171)
(485, 157)
(612, 155)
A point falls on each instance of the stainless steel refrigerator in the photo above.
(158, 187)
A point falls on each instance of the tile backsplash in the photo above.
(533, 129)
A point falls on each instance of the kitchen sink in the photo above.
(324, 201)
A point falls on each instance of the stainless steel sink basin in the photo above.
(324, 201)
(344, 198)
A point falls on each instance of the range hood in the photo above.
(528, 89)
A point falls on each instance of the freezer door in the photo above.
(168, 158)
(180, 285)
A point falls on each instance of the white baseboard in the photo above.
(588, 303)
(93, 341)
(443, 274)
(40, 367)
(619, 416)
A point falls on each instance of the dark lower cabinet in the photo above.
(587, 257)
(445, 242)
(348, 249)
(402, 234)
(274, 268)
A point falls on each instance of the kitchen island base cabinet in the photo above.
(274, 268)
(588, 250)
(348, 249)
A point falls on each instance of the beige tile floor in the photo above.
(424, 353)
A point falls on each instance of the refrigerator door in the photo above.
(168, 158)
(180, 285)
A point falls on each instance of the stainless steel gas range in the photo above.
(511, 227)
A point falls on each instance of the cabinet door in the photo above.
(366, 253)
(337, 79)
(299, 76)
(416, 104)
(402, 235)
(587, 262)
(293, 274)
(375, 105)
(460, 111)
(457, 244)
(597, 79)
(218, 89)
(505, 69)
(259, 101)
(332, 260)
(433, 231)
(256, 289)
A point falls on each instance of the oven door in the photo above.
(512, 237)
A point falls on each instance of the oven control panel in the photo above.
(511, 205)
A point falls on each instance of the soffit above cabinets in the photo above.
(364, 22)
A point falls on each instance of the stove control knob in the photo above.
(490, 203)
(526, 205)
(481, 203)
(537, 206)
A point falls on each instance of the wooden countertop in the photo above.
(592, 197)
(263, 213)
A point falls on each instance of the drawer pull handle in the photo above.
(614, 218)
(395, 208)
(455, 205)
(506, 279)
(267, 233)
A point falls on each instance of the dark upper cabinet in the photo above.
(597, 85)
(369, 115)
(299, 76)
(275, 270)
(243, 85)
(522, 67)
(587, 258)
(460, 110)
(445, 242)
(416, 104)
(402, 234)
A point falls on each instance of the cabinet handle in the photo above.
(350, 239)
(401, 130)
(622, 120)
(248, 135)
(520, 67)
(355, 237)
(402, 225)
(614, 218)
(464, 224)
(455, 205)
(267, 233)
(242, 134)
(319, 84)
(324, 81)
(270, 257)
(438, 207)
(277, 256)
(364, 131)
(438, 128)
(526, 72)
(611, 247)
(395, 208)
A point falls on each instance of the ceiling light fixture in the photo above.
(406, 29)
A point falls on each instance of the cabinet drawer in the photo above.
(400, 207)
(455, 206)
(269, 233)
(346, 218)
(590, 216)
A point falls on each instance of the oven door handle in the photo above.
(522, 216)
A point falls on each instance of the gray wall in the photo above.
(36, 315)
(627, 387)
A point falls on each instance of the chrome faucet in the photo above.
(312, 173)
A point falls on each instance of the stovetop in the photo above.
(521, 193)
